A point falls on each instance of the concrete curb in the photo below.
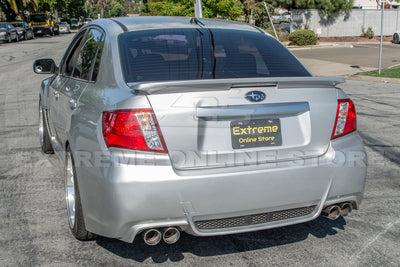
(373, 79)
(330, 45)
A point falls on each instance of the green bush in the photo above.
(303, 37)
(282, 35)
(369, 33)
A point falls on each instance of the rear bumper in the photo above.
(122, 199)
(42, 30)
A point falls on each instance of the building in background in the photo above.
(374, 4)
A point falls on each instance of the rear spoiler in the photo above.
(227, 84)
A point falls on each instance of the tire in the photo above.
(76, 221)
(396, 38)
(44, 136)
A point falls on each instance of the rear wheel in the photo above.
(74, 207)
(44, 136)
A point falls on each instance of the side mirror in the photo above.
(45, 66)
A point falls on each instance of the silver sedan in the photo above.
(168, 124)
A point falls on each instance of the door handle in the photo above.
(72, 104)
(56, 95)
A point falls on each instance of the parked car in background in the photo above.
(75, 24)
(43, 23)
(24, 30)
(86, 21)
(396, 38)
(8, 32)
(64, 27)
(169, 124)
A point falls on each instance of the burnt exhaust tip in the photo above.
(332, 212)
(345, 209)
(152, 237)
(171, 235)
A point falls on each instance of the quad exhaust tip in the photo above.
(345, 209)
(152, 237)
(171, 235)
(334, 211)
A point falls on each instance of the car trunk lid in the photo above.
(210, 123)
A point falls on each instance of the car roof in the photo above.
(159, 22)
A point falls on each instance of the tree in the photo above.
(57, 7)
(13, 8)
(260, 14)
(230, 9)
(328, 7)
(247, 7)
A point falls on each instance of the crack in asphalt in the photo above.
(385, 229)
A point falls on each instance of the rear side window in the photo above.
(87, 55)
(192, 54)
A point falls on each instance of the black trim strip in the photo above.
(123, 27)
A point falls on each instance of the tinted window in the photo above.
(68, 63)
(189, 54)
(97, 62)
(39, 18)
(87, 55)
(17, 24)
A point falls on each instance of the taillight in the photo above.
(133, 129)
(346, 121)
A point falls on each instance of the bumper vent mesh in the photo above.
(255, 218)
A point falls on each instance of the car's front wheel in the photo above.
(74, 207)
(44, 135)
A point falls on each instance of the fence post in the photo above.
(363, 24)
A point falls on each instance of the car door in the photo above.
(13, 32)
(58, 84)
(82, 76)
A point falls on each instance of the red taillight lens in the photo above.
(346, 121)
(133, 129)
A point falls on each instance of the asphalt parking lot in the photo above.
(33, 223)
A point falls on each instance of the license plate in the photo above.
(256, 133)
(39, 31)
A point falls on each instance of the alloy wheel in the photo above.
(70, 189)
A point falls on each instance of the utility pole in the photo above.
(198, 9)
(270, 19)
(380, 46)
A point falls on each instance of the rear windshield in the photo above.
(39, 18)
(194, 54)
(17, 24)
